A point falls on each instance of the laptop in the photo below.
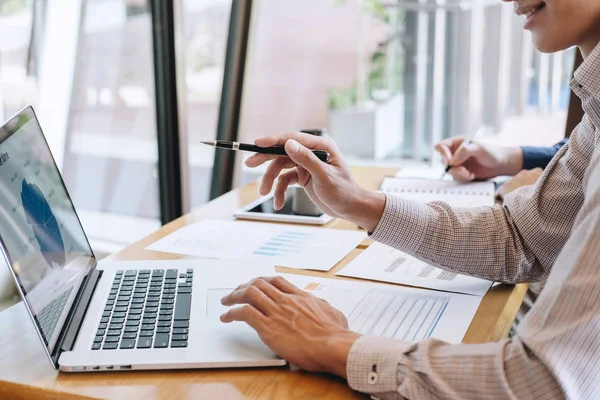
(107, 316)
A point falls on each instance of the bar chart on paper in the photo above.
(284, 243)
(411, 317)
(297, 247)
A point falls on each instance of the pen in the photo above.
(463, 144)
(279, 151)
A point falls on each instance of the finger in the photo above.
(259, 159)
(444, 150)
(247, 314)
(316, 200)
(310, 141)
(464, 153)
(461, 174)
(306, 159)
(259, 283)
(284, 285)
(283, 182)
(452, 143)
(273, 170)
(251, 295)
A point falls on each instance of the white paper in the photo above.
(383, 263)
(429, 172)
(408, 314)
(472, 194)
(283, 245)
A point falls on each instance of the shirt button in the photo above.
(372, 378)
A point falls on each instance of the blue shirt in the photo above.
(539, 157)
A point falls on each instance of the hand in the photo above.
(329, 185)
(523, 178)
(297, 326)
(479, 161)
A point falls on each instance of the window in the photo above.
(389, 79)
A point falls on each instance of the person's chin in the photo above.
(547, 43)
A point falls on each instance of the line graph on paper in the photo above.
(410, 317)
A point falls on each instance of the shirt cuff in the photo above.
(402, 224)
(373, 364)
(537, 157)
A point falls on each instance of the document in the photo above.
(383, 263)
(408, 314)
(282, 245)
(472, 194)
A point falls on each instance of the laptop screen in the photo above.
(42, 238)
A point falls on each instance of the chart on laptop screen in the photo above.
(42, 220)
(40, 230)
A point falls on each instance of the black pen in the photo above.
(464, 143)
(279, 151)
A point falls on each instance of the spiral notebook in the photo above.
(473, 194)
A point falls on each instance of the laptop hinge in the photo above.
(71, 330)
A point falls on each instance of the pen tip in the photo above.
(209, 142)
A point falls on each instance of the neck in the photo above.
(589, 46)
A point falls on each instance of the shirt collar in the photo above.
(587, 75)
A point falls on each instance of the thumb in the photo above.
(463, 154)
(306, 159)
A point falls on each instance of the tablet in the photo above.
(262, 210)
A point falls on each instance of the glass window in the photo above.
(206, 25)
(389, 79)
(110, 163)
(18, 80)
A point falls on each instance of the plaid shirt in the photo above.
(547, 231)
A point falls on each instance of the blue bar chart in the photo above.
(284, 244)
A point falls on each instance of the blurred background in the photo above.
(386, 78)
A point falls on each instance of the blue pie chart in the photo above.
(43, 222)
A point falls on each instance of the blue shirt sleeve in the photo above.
(540, 157)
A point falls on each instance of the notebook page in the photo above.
(472, 194)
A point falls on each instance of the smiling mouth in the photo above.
(532, 11)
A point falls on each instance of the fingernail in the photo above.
(293, 146)
(223, 300)
(261, 187)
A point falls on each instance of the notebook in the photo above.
(472, 194)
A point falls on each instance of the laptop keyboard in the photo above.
(49, 316)
(146, 309)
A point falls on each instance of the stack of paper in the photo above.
(456, 194)
(282, 245)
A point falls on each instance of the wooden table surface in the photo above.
(26, 373)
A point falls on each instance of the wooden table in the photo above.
(25, 372)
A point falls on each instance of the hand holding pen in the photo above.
(272, 150)
(469, 160)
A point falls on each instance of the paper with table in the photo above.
(282, 245)
(456, 194)
(395, 312)
(383, 263)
